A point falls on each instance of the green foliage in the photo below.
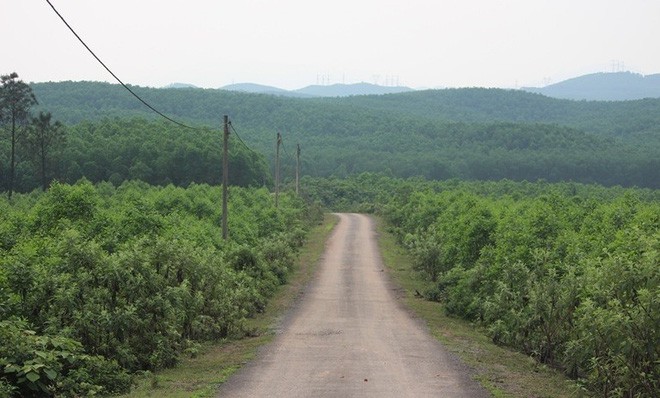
(115, 150)
(135, 274)
(16, 99)
(570, 281)
(155, 152)
(43, 138)
(64, 205)
(35, 365)
(439, 134)
(619, 319)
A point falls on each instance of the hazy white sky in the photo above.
(294, 43)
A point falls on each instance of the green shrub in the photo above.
(35, 365)
(571, 280)
(136, 274)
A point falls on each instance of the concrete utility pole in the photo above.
(297, 169)
(277, 169)
(225, 176)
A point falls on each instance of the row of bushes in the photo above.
(98, 282)
(571, 280)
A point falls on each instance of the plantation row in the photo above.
(567, 273)
(98, 282)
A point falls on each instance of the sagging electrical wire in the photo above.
(133, 92)
(231, 126)
(291, 157)
(113, 75)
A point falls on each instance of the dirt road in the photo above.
(349, 337)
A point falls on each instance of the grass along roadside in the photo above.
(200, 376)
(502, 371)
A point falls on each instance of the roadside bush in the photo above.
(135, 274)
(35, 365)
(571, 280)
(279, 255)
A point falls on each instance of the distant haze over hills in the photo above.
(619, 86)
(259, 89)
(180, 85)
(345, 90)
(333, 90)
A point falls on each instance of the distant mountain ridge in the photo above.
(254, 88)
(180, 85)
(332, 90)
(347, 90)
(617, 86)
(603, 86)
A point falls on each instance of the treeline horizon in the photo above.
(470, 134)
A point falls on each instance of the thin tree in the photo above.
(16, 98)
(42, 138)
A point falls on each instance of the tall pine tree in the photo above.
(43, 137)
(16, 98)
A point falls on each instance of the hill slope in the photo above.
(76, 101)
(470, 133)
(618, 86)
(261, 89)
(333, 90)
(347, 90)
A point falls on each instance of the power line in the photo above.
(113, 75)
(231, 126)
(284, 148)
(241, 140)
(286, 152)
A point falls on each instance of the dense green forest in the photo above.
(156, 152)
(567, 273)
(630, 120)
(153, 151)
(467, 134)
(98, 281)
(73, 102)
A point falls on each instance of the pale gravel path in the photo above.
(349, 337)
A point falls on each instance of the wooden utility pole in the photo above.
(225, 176)
(277, 169)
(297, 169)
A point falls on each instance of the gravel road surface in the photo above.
(350, 337)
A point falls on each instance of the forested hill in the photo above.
(616, 86)
(462, 133)
(624, 119)
(76, 101)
